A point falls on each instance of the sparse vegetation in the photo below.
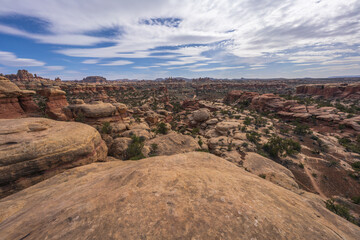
(340, 210)
(134, 150)
(278, 147)
(106, 128)
(161, 128)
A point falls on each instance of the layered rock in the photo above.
(331, 91)
(98, 111)
(94, 79)
(33, 149)
(14, 102)
(56, 103)
(187, 196)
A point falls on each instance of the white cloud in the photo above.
(11, 60)
(91, 61)
(54, 68)
(224, 31)
(117, 63)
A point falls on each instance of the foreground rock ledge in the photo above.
(185, 196)
(33, 149)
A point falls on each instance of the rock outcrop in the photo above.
(172, 143)
(331, 91)
(270, 170)
(14, 102)
(185, 196)
(94, 79)
(55, 103)
(33, 149)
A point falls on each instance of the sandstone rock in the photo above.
(14, 102)
(272, 171)
(224, 127)
(55, 103)
(212, 121)
(33, 149)
(331, 91)
(138, 132)
(185, 196)
(201, 115)
(173, 143)
(94, 110)
(119, 147)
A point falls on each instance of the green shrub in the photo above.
(262, 176)
(278, 147)
(200, 142)
(161, 128)
(253, 137)
(80, 117)
(153, 149)
(106, 128)
(340, 210)
(356, 166)
(247, 121)
(356, 199)
(134, 150)
(301, 129)
(195, 131)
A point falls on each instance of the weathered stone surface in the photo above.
(33, 149)
(331, 91)
(201, 115)
(173, 143)
(55, 104)
(224, 127)
(185, 196)
(119, 147)
(271, 170)
(94, 110)
(14, 102)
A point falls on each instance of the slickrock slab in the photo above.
(184, 196)
(33, 149)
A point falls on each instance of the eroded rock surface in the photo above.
(33, 149)
(187, 196)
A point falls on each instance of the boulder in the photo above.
(119, 147)
(224, 127)
(184, 196)
(33, 149)
(201, 115)
(95, 110)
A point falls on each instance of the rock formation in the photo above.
(94, 79)
(14, 102)
(55, 103)
(185, 196)
(33, 149)
(331, 91)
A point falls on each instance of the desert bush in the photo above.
(278, 147)
(301, 129)
(340, 210)
(106, 128)
(153, 149)
(253, 137)
(134, 150)
(161, 128)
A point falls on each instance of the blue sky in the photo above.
(145, 39)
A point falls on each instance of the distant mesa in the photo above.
(94, 79)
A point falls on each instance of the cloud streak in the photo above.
(223, 35)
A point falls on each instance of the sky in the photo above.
(148, 39)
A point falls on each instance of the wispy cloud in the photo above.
(188, 35)
(10, 59)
